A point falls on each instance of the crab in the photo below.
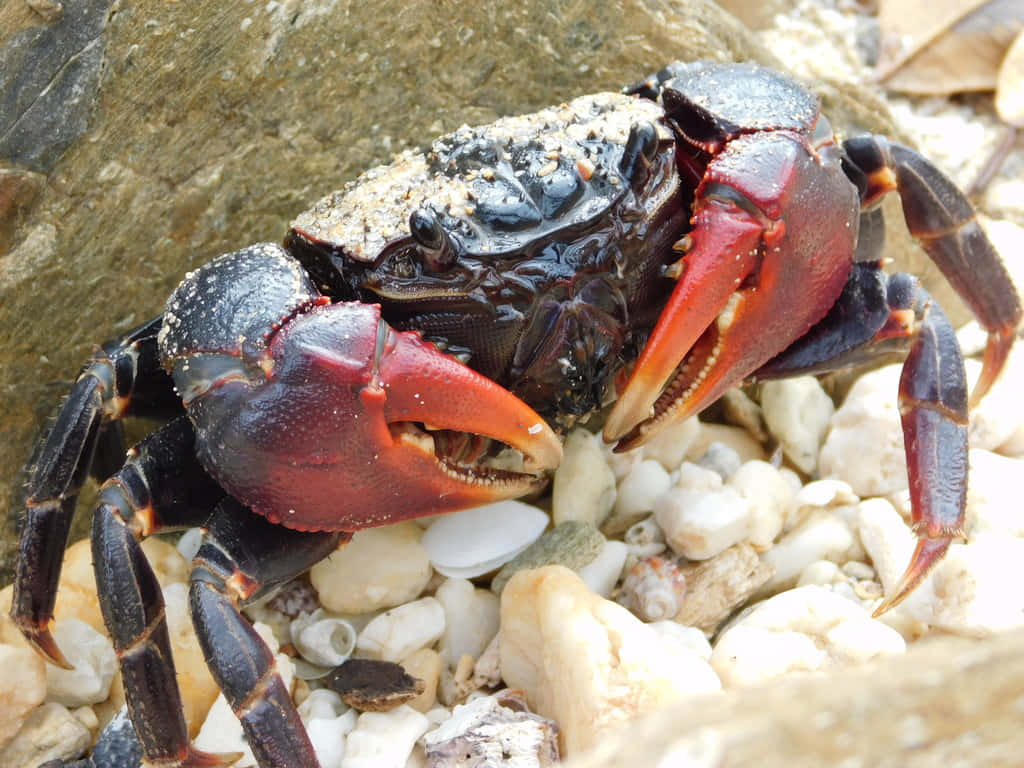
(420, 339)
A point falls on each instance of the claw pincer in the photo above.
(316, 414)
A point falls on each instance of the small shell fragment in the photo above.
(373, 686)
(467, 544)
(322, 639)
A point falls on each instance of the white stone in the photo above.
(721, 459)
(829, 535)
(384, 739)
(95, 663)
(603, 572)
(397, 633)
(584, 484)
(816, 496)
(467, 544)
(321, 639)
(769, 496)
(1000, 414)
(328, 721)
(22, 688)
(802, 630)
(700, 524)
(697, 478)
(50, 732)
(736, 438)
(689, 638)
(670, 446)
(586, 662)
(797, 412)
(967, 593)
(471, 619)
(864, 445)
(380, 568)
(994, 494)
(641, 487)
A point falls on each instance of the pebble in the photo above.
(22, 688)
(721, 459)
(768, 494)
(864, 445)
(671, 446)
(807, 629)
(467, 544)
(493, 731)
(700, 524)
(1000, 414)
(602, 573)
(328, 721)
(584, 485)
(586, 662)
(573, 544)
(321, 639)
(967, 593)
(816, 496)
(736, 438)
(797, 412)
(829, 535)
(424, 664)
(380, 568)
(198, 689)
(384, 739)
(395, 634)
(50, 732)
(645, 538)
(718, 586)
(94, 661)
(993, 494)
(640, 489)
(471, 619)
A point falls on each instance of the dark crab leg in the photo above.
(161, 486)
(879, 316)
(242, 557)
(942, 219)
(124, 378)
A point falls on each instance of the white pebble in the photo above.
(645, 538)
(641, 487)
(688, 638)
(670, 446)
(698, 478)
(380, 568)
(966, 593)
(603, 572)
(797, 412)
(816, 496)
(1000, 414)
(865, 440)
(323, 640)
(802, 630)
(384, 739)
(396, 633)
(328, 721)
(22, 688)
(721, 459)
(769, 496)
(95, 664)
(471, 619)
(700, 524)
(993, 494)
(827, 536)
(584, 484)
(467, 544)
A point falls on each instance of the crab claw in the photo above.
(764, 263)
(351, 424)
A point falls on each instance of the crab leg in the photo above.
(941, 218)
(124, 378)
(878, 316)
(161, 486)
(241, 557)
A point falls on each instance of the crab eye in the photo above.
(640, 150)
(439, 253)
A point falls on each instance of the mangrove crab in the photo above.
(651, 248)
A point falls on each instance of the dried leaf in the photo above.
(1010, 86)
(945, 46)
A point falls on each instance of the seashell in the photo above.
(653, 589)
(373, 686)
(467, 544)
(493, 730)
(323, 640)
(645, 538)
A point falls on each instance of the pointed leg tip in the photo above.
(926, 556)
(41, 639)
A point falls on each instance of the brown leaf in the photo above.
(945, 46)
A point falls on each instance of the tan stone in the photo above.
(424, 664)
(22, 688)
